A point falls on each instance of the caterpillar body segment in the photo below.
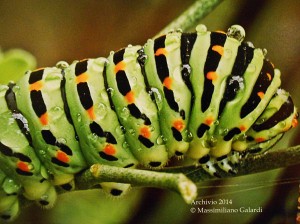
(135, 108)
(100, 134)
(280, 115)
(18, 157)
(208, 78)
(164, 72)
(40, 100)
(206, 95)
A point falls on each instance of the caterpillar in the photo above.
(207, 96)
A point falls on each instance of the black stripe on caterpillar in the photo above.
(203, 95)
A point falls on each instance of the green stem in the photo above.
(191, 16)
(172, 181)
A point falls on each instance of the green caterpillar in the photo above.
(205, 95)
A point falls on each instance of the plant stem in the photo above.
(191, 16)
(172, 181)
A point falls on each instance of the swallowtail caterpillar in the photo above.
(205, 95)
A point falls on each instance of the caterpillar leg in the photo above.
(9, 206)
(9, 201)
(115, 189)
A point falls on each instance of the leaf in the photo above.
(14, 63)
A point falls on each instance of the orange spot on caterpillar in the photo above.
(168, 82)
(61, 156)
(44, 119)
(212, 75)
(219, 49)
(23, 166)
(130, 97)
(91, 113)
(261, 139)
(261, 94)
(144, 131)
(209, 120)
(243, 128)
(269, 76)
(81, 78)
(120, 66)
(109, 149)
(178, 124)
(294, 122)
(36, 86)
(160, 51)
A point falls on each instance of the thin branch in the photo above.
(173, 181)
(191, 16)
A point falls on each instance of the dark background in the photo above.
(69, 30)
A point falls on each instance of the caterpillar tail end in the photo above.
(187, 189)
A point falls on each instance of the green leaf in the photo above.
(14, 63)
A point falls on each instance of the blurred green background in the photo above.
(69, 30)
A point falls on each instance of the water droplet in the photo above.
(125, 145)
(110, 91)
(129, 46)
(212, 141)
(265, 52)
(201, 29)
(132, 131)
(149, 41)
(237, 32)
(142, 57)
(62, 65)
(123, 128)
(16, 89)
(225, 131)
(125, 113)
(282, 124)
(157, 96)
(189, 136)
(101, 110)
(250, 44)
(57, 109)
(179, 30)
(79, 118)
(62, 140)
(177, 100)
(186, 70)
(216, 122)
(120, 130)
(152, 128)
(159, 140)
(93, 137)
(261, 120)
(242, 137)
